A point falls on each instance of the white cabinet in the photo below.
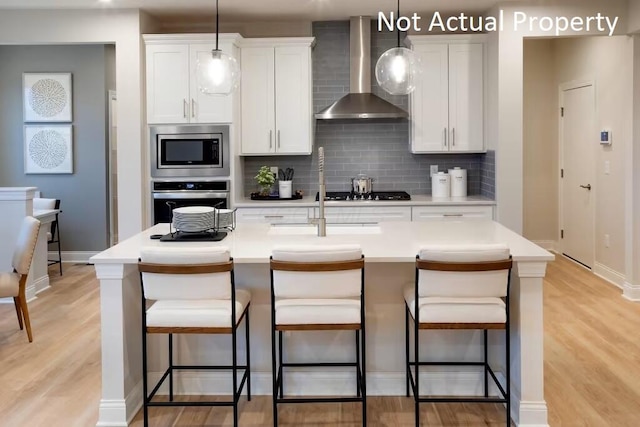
(447, 106)
(425, 213)
(173, 95)
(365, 214)
(273, 215)
(277, 89)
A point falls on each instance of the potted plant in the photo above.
(265, 179)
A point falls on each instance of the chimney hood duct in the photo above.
(360, 103)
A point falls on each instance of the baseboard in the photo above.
(609, 275)
(75, 257)
(550, 245)
(120, 413)
(631, 292)
(334, 383)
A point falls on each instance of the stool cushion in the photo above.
(317, 311)
(457, 309)
(9, 284)
(202, 313)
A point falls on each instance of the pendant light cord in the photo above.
(397, 18)
(218, 24)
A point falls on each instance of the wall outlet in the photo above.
(607, 167)
(606, 241)
(274, 170)
(433, 169)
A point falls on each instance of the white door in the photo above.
(578, 142)
(466, 84)
(208, 108)
(168, 83)
(292, 100)
(430, 100)
(258, 105)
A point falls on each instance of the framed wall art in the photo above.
(47, 97)
(48, 149)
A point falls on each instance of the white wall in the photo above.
(540, 142)
(123, 29)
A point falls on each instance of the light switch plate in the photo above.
(433, 169)
(607, 167)
(274, 170)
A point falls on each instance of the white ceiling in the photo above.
(313, 10)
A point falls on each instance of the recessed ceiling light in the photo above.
(104, 1)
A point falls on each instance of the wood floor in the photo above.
(592, 365)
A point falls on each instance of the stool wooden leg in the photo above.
(16, 302)
(22, 299)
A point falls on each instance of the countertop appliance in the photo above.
(189, 151)
(333, 196)
(168, 195)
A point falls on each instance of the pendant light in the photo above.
(218, 74)
(397, 68)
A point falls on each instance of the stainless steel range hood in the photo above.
(360, 103)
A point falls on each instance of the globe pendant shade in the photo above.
(218, 74)
(396, 71)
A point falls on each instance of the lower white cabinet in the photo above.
(338, 215)
(425, 213)
(273, 215)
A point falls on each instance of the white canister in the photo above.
(284, 189)
(440, 185)
(458, 179)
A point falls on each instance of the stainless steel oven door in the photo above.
(195, 138)
(164, 202)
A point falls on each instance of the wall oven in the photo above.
(168, 195)
(189, 151)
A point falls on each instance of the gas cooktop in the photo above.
(376, 195)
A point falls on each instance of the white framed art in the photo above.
(48, 149)
(47, 97)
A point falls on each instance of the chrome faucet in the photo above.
(321, 221)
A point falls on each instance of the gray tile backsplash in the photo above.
(378, 148)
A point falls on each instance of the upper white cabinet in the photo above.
(447, 106)
(277, 90)
(172, 84)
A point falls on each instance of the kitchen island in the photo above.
(390, 249)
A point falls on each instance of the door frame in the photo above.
(563, 87)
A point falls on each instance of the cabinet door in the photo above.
(348, 215)
(258, 115)
(466, 83)
(430, 101)
(207, 108)
(167, 83)
(273, 215)
(426, 213)
(293, 100)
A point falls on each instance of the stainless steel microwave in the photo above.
(189, 151)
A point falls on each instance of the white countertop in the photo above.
(396, 242)
(417, 200)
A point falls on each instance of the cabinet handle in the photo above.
(453, 137)
(278, 138)
(444, 138)
(270, 144)
(452, 215)
(193, 108)
(274, 216)
(185, 105)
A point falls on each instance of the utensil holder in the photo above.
(284, 189)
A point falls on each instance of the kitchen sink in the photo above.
(332, 229)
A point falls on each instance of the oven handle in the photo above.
(190, 195)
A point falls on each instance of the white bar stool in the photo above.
(194, 292)
(459, 287)
(317, 288)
